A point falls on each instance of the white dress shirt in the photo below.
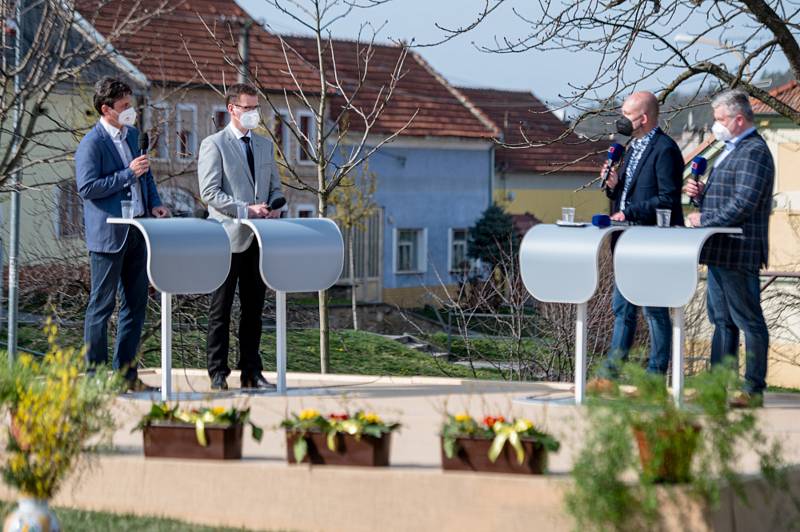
(124, 151)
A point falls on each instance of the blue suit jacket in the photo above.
(103, 183)
(738, 193)
(656, 183)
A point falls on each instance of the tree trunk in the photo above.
(350, 252)
(324, 340)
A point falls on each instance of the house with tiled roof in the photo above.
(539, 180)
(433, 181)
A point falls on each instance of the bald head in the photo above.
(641, 108)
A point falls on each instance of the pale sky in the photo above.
(546, 74)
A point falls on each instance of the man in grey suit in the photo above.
(738, 193)
(238, 174)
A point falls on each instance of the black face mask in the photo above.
(624, 126)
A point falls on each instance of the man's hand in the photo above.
(140, 165)
(693, 188)
(274, 214)
(161, 212)
(259, 210)
(613, 179)
(618, 216)
(694, 219)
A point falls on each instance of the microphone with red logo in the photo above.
(615, 154)
(699, 165)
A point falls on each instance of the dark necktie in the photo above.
(251, 162)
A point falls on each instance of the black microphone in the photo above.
(699, 165)
(144, 144)
(615, 153)
(277, 203)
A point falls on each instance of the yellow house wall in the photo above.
(544, 195)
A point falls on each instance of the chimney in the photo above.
(244, 50)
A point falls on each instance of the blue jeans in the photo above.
(659, 324)
(734, 304)
(124, 271)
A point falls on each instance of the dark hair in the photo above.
(108, 91)
(234, 91)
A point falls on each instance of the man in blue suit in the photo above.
(738, 193)
(110, 170)
(650, 178)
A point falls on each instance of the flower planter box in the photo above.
(174, 440)
(473, 455)
(676, 464)
(367, 451)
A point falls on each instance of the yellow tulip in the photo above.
(522, 425)
(463, 417)
(308, 413)
(218, 410)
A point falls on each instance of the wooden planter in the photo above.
(176, 440)
(367, 451)
(472, 454)
(676, 465)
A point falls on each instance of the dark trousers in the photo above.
(659, 324)
(124, 272)
(734, 304)
(244, 272)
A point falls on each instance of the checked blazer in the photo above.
(739, 194)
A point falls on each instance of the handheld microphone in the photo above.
(277, 203)
(144, 144)
(615, 153)
(699, 165)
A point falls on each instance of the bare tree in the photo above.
(57, 47)
(346, 105)
(643, 44)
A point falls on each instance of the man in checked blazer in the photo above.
(237, 170)
(650, 178)
(738, 193)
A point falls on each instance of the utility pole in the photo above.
(13, 30)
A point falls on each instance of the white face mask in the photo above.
(721, 132)
(250, 119)
(127, 117)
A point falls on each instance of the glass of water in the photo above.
(568, 214)
(127, 209)
(663, 217)
(241, 212)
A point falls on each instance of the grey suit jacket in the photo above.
(225, 180)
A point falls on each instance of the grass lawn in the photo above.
(72, 519)
(351, 352)
(492, 349)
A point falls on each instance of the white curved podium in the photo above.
(657, 267)
(297, 255)
(184, 256)
(559, 264)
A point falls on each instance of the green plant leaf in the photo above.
(256, 431)
(449, 445)
(200, 431)
(332, 440)
(300, 448)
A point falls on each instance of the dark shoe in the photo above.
(136, 385)
(219, 382)
(746, 400)
(257, 382)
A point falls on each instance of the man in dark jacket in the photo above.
(650, 178)
(738, 193)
